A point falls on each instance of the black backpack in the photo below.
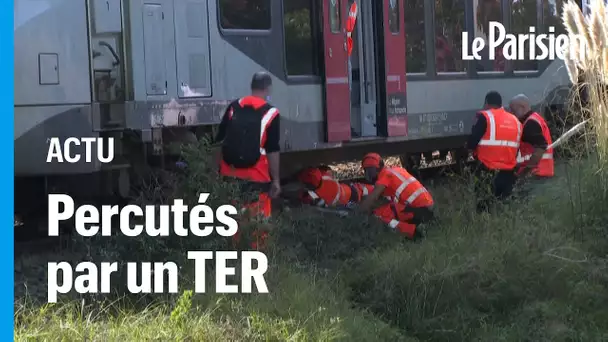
(241, 146)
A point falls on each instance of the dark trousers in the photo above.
(419, 215)
(491, 185)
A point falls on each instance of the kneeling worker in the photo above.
(534, 157)
(413, 203)
(250, 135)
(494, 140)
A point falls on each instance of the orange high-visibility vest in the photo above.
(259, 172)
(350, 27)
(331, 193)
(498, 147)
(404, 188)
(545, 167)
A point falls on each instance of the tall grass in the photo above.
(589, 71)
(536, 271)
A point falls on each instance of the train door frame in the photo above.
(336, 75)
(393, 68)
(368, 70)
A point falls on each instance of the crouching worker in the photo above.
(413, 204)
(250, 136)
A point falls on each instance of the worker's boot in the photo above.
(419, 234)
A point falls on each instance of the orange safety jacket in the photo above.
(392, 215)
(361, 190)
(545, 167)
(498, 147)
(331, 192)
(350, 27)
(403, 188)
(259, 172)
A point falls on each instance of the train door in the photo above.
(394, 67)
(192, 48)
(337, 91)
(363, 73)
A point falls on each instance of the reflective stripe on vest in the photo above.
(491, 141)
(548, 153)
(545, 167)
(393, 224)
(266, 119)
(404, 183)
(527, 157)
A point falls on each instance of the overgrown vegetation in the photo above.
(535, 270)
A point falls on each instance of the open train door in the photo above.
(394, 51)
(337, 91)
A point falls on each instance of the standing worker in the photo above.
(534, 158)
(494, 141)
(407, 192)
(250, 135)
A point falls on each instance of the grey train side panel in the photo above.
(52, 84)
(223, 73)
(32, 138)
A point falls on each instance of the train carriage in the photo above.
(148, 72)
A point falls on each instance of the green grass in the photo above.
(533, 270)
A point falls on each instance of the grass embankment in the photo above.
(534, 270)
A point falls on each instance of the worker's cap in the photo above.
(371, 160)
(311, 176)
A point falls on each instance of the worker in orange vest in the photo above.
(535, 157)
(413, 203)
(323, 189)
(494, 140)
(250, 136)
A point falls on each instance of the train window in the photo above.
(449, 25)
(414, 37)
(299, 47)
(523, 17)
(334, 16)
(245, 14)
(552, 10)
(487, 11)
(393, 16)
